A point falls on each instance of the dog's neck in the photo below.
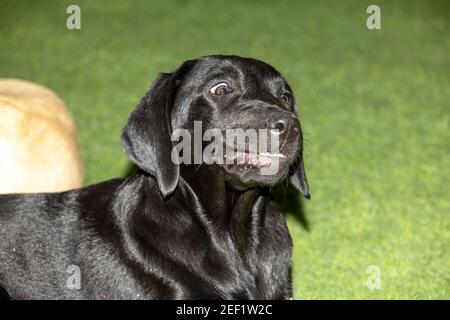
(234, 217)
(231, 218)
(223, 205)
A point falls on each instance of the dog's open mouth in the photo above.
(258, 160)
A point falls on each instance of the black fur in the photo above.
(169, 231)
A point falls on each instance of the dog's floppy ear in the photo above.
(297, 171)
(147, 136)
(298, 177)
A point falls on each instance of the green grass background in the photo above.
(374, 105)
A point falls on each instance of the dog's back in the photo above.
(42, 232)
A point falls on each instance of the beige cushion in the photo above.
(38, 144)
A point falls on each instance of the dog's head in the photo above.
(221, 93)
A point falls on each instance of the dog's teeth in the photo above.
(276, 155)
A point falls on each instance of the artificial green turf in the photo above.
(374, 106)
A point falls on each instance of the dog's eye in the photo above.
(286, 98)
(220, 89)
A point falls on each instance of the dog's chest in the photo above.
(196, 262)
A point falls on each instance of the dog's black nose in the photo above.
(284, 126)
(279, 125)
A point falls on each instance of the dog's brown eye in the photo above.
(286, 98)
(220, 89)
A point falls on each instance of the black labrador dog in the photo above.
(170, 231)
